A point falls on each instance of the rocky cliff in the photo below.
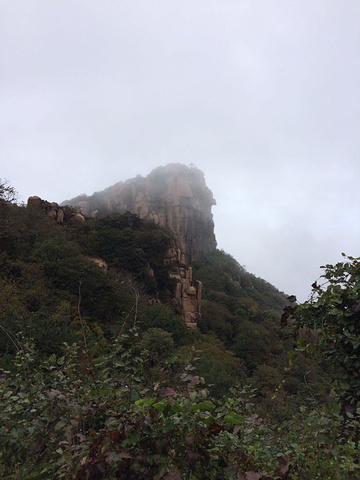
(175, 197)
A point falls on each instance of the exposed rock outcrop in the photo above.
(188, 295)
(51, 209)
(187, 292)
(99, 262)
(54, 211)
(175, 197)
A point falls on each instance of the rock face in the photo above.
(53, 210)
(188, 296)
(175, 197)
(187, 292)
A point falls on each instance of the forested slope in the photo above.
(102, 379)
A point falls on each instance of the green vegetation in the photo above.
(334, 313)
(100, 378)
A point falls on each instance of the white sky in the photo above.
(263, 96)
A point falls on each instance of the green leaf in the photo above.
(234, 419)
(159, 406)
(208, 420)
(146, 402)
(203, 407)
(61, 424)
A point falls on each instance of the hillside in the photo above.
(102, 377)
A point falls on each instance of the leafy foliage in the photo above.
(79, 416)
(101, 379)
(7, 191)
(162, 316)
(334, 313)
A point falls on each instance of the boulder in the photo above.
(51, 209)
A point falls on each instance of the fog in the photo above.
(264, 97)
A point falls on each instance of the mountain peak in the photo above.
(174, 196)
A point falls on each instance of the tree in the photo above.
(333, 311)
(162, 316)
(7, 192)
(156, 344)
(8, 195)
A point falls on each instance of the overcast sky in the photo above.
(263, 96)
